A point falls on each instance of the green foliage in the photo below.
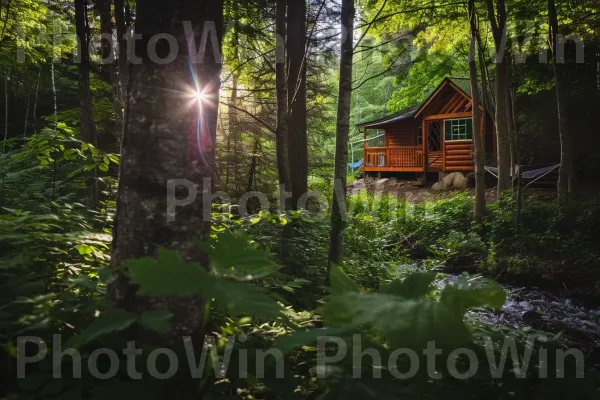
(171, 276)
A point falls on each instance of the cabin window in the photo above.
(458, 129)
(419, 138)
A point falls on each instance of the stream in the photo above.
(540, 310)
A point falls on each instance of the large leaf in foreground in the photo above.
(171, 276)
(232, 255)
(403, 322)
(112, 320)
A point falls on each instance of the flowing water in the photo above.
(544, 312)
(541, 310)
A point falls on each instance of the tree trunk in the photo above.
(338, 211)
(252, 169)
(88, 131)
(110, 69)
(121, 26)
(5, 107)
(498, 23)
(510, 117)
(281, 135)
(479, 151)
(35, 101)
(169, 135)
(565, 175)
(297, 143)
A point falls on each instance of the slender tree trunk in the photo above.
(297, 143)
(110, 68)
(121, 26)
(510, 117)
(27, 113)
(338, 212)
(54, 100)
(234, 132)
(168, 137)
(565, 175)
(85, 97)
(88, 131)
(5, 107)
(281, 135)
(497, 20)
(479, 151)
(252, 169)
(35, 101)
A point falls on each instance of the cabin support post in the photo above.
(365, 150)
(443, 144)
(425, 148)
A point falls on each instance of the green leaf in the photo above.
(84, 249)
(232, 255)
(415, 286)
(169, 276)
(159, 321)
(340, 281)
(173, 276)
(86, 282)
(472, 292)
(106, 275)
(242, 298)
(403, 322)
(305, 337)
(111, 320)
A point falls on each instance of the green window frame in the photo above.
(458, 129)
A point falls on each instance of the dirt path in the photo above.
(411, 191)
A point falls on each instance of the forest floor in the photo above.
(414, 192)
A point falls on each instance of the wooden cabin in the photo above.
(435, 136)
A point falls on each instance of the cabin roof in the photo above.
(379, 123)
(463, 85)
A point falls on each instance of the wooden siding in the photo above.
(459, 155)
(401, 154)
(402, 134)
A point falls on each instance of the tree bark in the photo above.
(5, 107)
(510, 117)
(338, 211)
(478, 148)
(121, 26)
(169, 135)
(88, 131)
(498, 23)
(111, 68)
(297, 143)
(565, 175)
(281, 135)
(252, 169)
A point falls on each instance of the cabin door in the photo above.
(435, 135)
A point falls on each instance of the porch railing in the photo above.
(398, 156)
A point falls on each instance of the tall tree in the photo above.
(281, 135)
(170, 127)
(338, 212)
(88, 130)
(297, 143)
(478, 117)
(121, 25)
(497, 16)
(110, 67)
(565, 175)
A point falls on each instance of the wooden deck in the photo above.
(455, 156)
